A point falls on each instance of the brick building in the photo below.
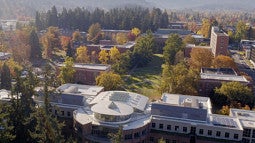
(219, 42)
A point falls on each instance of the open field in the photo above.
(146, 80)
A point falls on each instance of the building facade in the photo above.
(219, 42)
(108, 112)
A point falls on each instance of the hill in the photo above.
(14, 8)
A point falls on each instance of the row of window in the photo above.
(249, 133)
(68, 113)
(244, 140)
(136, 135)
(200, 132)
(152, 139)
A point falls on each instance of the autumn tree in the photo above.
(93, 57)
(178, 79)
(222, 61)
(76, 37)
(65, 40)
(206, 28)
(109, 80)
(189, 40)
(200, 57)
(82, 55)
(36, 51)
(103, 57)
(114, 55)
(117, 137)
(67, 71)
(94, 33)
(51, 41)
(6, 78)
(173, 45)
(136, 31)
(124, 63)
(121, 38)
(143, 50)
(236, 92)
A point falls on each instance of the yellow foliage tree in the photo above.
(114, 54)
(109, 80)
(136, 31)
(222, 61)
(82, 55)
(206, 28)
(103, 57)
(121, 38)
(200, 57)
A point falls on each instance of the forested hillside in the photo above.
(18, 8)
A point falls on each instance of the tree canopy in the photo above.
(109, 80)
(67, 71)
(200, 57)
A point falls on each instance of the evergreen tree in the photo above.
(69, 51)
(36, 51)
(5, 78)
(67, 71)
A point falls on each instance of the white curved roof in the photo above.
(134, 100)
(112, 108)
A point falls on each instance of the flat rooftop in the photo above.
(226, 74)
(5, 95)
(80, 89)
(225, 121)
(246, 117)
(183, 100)
(101, 67)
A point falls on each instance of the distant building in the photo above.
(188, 119)
(251, 54)
(210, 78)
(219, 42)
(8, 25)
(109, 33)
(246, 44)
(108, 111)
(176, 25)
(87, 73)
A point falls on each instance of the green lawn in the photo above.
(146, 80)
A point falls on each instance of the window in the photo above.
(137, 135)
(244, 140)
(56, 112)
(62, 113)
(153, 125)
(167, 141)
(144, 132)
(168, 127)
(185, 129)
(176, 128)
(129, 136)
(218, 133)
(209, 132)
(201, 131)
(253, 141)
(253, 134)
(174, 141)
(226, 135)
(152, 139)
(68, 114)
(161, 126)
(247, 132)
(193, 130)
(235, 136)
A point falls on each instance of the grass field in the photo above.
(146, 80)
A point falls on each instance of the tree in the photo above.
(69, 50)
(236, 92)
(6, 78)
(36, 51)
(123, 64)
(136, 31)
(179, 79)
(206, 28)
(51, 41)
(6, 135)
(67, 71)
(114, 55)
(224, 110)
(222, 61)
(103, 57)
(173, 45)
(109, 80)
(121, 38)
(117, 137)
(143, 50)
(76, 37)
(200, 57)
(189, 40)
(48, 128)
(82, 55)
(241, 32)
(161, 140)
(94, 33)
